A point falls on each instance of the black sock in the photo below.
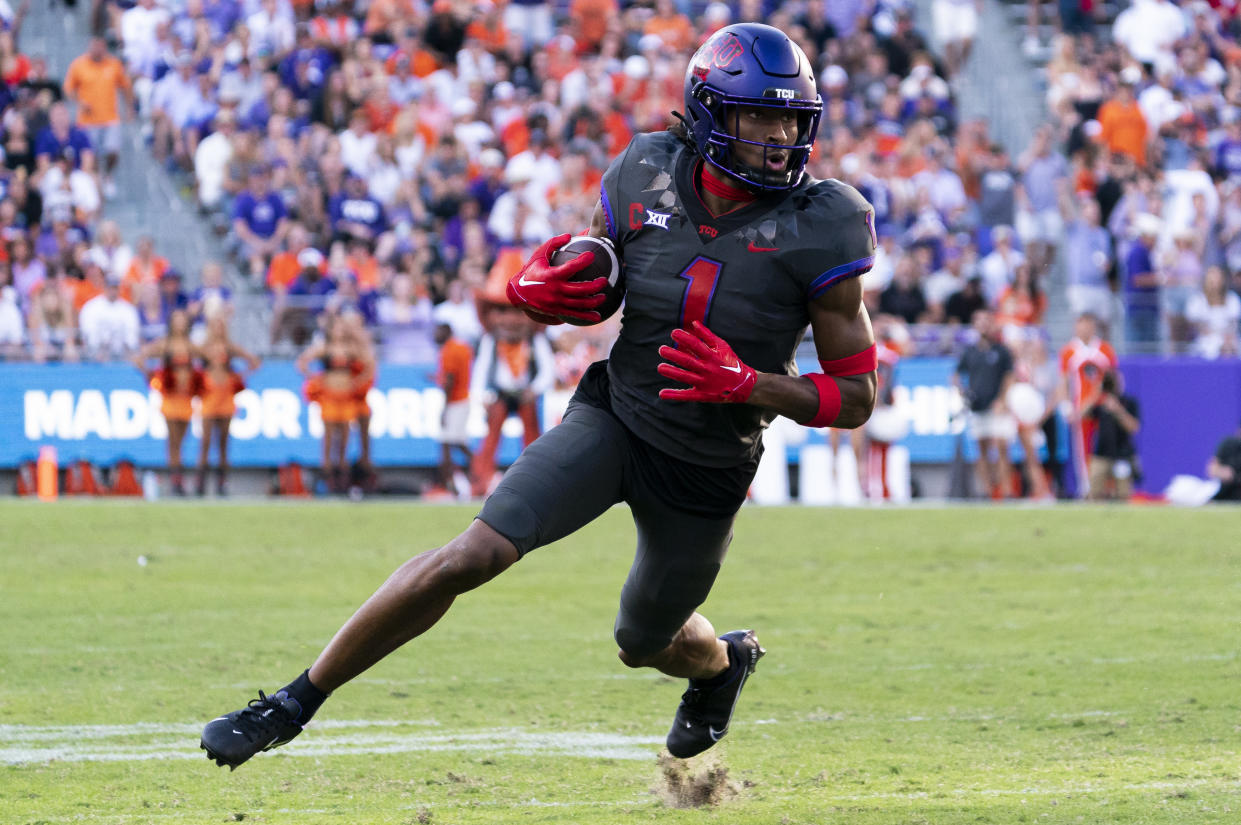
(716, 681)
(303, 691)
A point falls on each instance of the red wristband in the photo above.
(859, 363)
(829, 400)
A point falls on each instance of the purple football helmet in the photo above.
(750, 64)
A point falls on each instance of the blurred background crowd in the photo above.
(398, 159)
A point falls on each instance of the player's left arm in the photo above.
(843, 395)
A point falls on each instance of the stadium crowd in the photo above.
(398, 159)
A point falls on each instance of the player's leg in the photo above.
(563, 481)
(678, 557)
(413, 599)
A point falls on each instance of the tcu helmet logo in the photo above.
(720, 55)
(726, 51)
(784, 94)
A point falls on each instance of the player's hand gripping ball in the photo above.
(577, 280)
(604, 264)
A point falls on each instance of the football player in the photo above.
(731, 250)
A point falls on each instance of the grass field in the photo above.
(961, 665)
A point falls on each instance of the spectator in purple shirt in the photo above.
(58, 135)
(1141, 285)
(1228, 151)
(259, 220)
(489, 183)
(354, 213)
(305, 69)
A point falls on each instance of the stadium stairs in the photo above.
(149, 200)
(1006, 87)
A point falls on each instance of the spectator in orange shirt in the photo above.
(92, 283)
(94, 80)
(456, 358)
(1124, 126)
(672, 27)
(381, 15)
(573, 197)
(284, 267)
(146, 267)
(590, 22)
(488, 28)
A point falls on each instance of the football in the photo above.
(605, 265)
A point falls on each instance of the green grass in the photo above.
(963, 665)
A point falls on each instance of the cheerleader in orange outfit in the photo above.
(178, 380)
(221, 383)
(335, 389)
(362, 365)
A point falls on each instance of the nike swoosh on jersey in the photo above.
(752, 248)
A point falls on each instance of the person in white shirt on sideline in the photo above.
(109, 324)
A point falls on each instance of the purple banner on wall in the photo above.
(1187, 407)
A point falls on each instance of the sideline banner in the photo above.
(105, 412)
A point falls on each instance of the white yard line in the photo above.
(30, 745)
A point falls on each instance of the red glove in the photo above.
(545, 291)
(704, 360)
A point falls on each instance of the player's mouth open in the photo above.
(776, 161)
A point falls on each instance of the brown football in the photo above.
(605, 265)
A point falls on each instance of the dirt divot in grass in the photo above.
(694, 783)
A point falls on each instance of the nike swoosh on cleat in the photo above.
(716, 735)
(239, 733)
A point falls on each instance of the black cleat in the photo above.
(705, 711)
(267, 722)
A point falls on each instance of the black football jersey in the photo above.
(748, 275)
